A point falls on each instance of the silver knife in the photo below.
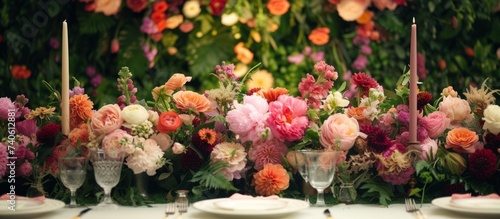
(327, 214)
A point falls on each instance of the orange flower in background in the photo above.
(158, 16)
(107, 7)
(320, 36)
(176, 81)
(20, 72)
(191, 101)
(357, 113)
(243, 54)
(350, 10)
(365, 17)
(272, 94)
(278, 7)
(79, 134)
(80, 110)
(169, 122)
(271, 180)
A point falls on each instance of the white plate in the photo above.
(48, 205)
(251, 204)
(477, 203)
(292, 205)
(445, 202)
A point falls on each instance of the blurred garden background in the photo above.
(458, 42)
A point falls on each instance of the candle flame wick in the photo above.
(413, 19)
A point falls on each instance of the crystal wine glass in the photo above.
(302, 168)
(321, 171)
(72, 171)
(107, 171)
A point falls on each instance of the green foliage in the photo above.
(210, 177)
(377, 189)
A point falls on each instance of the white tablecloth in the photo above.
(341, 211)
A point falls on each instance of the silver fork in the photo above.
(411, 207)
(169, 210)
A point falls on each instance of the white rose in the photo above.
(135, 114)
(492, 119)
(350, 10)
(229, 19)
(191, 9)
(178, 148)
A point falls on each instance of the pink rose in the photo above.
(5, 105)
(429, 148)
(455, 108)
(163, 140)
(435, 123)
(178, 148)
(107, 7)
(339, 131)
(115, 143)
(107, 119)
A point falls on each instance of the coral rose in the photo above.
(191, 101)
(320, 36)
(462, 140)
(350, 10)
(243, 54)
(435, 123)
(339, 131)
(169, 122)
(492, 119)
(107, 7)
(278, 7)
(271, 180)
(107, 119)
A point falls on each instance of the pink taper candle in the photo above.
(65, 82)
(413, 84)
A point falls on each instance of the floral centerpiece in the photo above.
(234, 139)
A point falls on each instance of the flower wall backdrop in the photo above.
(156, 38)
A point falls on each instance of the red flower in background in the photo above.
(217, 6)
(20, 72)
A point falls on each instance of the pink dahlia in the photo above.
(287, 118)
(264, 152)
(248, 120)
(394, 166)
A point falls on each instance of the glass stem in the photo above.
(320, 201)
(72, 202)
(306, 192)
(107, 196)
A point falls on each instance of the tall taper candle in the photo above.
(413, 84)
(65, 82)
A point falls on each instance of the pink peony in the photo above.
(287, 118)
(163, 140)
(435, 123)
(107, 119)
(248, 120)
(264, 152)
(146, 159)
(339, 131)
(115, 143)
(6, 105)
(455, 108)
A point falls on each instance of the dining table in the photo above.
(339, 211)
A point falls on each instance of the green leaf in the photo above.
(210, 177)
(420, 165)
(378, 189)
(95, 23)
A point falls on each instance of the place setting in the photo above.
(485, 206)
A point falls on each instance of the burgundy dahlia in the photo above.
(377, 140)
(47, 134)
(492, 142)
(205, 141)
(191, 160)
(364, 82)
(482, 164)
(423, 98)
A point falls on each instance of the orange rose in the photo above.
(320, 36)
(169, 122)
(243, 54)
(189, 100)
(365, 17)
(176, 81)
(357, 113)
(20, 72)
(271, 180)
(278, 7)
(462, 140)
(107, 7)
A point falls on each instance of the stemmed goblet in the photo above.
(72, 171)
(300, 165)
(107, 171)
(321, 171)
